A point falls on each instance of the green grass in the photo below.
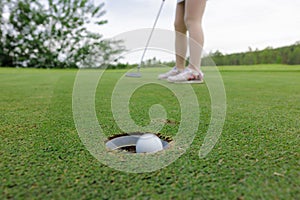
(257, 156)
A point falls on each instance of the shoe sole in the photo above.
(186, 82)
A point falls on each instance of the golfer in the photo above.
(188, 18)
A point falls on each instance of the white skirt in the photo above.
(179, 1)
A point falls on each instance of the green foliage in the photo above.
(284, 55)
(5, 59)
(55, 34)
(153, 62)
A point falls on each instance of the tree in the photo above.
(1, 35)
(295, 56)
(55, 34)
(5, 58)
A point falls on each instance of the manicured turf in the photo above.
(257, 156)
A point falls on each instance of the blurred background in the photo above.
(81, 33)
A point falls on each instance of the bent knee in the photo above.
(191, 22)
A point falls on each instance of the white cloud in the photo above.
(234, 25)
(229, 25)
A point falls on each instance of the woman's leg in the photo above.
(194, 10)
(180, 36)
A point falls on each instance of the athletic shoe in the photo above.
(187, 76)
(173, 72)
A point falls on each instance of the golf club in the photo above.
(138, 74)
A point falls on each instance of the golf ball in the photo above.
(148, 143)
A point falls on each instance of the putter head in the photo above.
(134, 75)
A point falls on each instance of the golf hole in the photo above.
(127, 143)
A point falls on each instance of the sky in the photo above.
(229, 25)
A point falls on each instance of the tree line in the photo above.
(289, 55)
(284, 55)
(54, 34)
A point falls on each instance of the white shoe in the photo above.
(187, 76)
(173, 72)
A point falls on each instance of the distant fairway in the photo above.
(257, 156)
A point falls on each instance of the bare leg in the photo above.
(180, 36)
(194, 10)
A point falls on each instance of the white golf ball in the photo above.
(148, 143)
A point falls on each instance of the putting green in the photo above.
(256, 157)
